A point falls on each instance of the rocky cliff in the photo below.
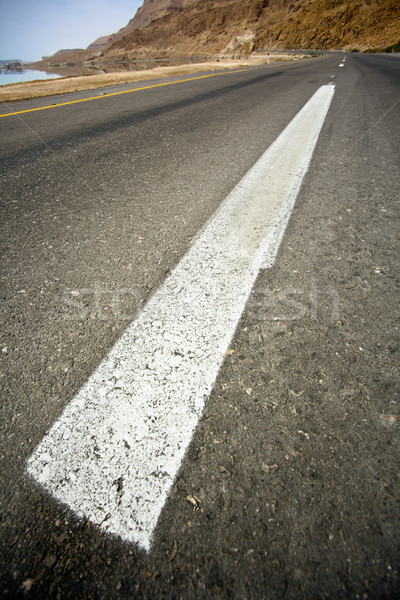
(148, 12)
(240, 26)
(168, 28)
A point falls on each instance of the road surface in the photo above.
(287, 483)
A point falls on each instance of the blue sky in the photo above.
(30, 29)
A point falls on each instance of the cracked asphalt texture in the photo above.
(290, 488)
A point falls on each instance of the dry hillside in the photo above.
(220, 25)
(148, 12)
(152, 10)
(168, 28)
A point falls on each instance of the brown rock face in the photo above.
(168, 28)
(213, 26)
(148, 12)
(152, 10)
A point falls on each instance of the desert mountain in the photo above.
(148, 12)
(171, 28)
(216, 26)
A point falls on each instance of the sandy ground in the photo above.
(65, 85)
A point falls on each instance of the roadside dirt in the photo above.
(50, 87)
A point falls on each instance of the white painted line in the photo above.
(114, 453)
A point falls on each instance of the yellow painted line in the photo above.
(147, 87)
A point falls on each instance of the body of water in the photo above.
(20, 75)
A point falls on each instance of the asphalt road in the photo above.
(293, 472)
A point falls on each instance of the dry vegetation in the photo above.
(50, 87)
